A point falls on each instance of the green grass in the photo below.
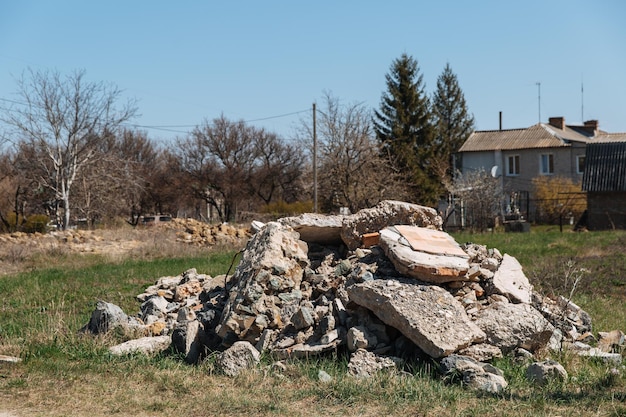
(548, 255)
(66, 373)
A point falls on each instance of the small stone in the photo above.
(541, 373)
(145, 345)
(324, 377)
(330, 337)
(303, 318)
(364, 364)
(490, 264)
(359, 337)
(239, 357)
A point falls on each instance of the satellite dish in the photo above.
(494, 171)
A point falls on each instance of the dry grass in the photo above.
(102, 245)
(64, 373)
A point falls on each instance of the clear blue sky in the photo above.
(194, 60)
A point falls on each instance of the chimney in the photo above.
(500, 120)
(591, 127)
(558, 122)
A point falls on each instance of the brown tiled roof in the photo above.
(537, 136)
(605, 167)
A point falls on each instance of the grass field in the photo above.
(63, 373)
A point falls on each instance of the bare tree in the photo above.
(478, 197)
(219, 159)
(63, 120)
(12, 192)
(279, 169)
(352, 172)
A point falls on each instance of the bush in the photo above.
(31, 224)
(282, 208)
(14, 223)
(36, 223)
(557, 198)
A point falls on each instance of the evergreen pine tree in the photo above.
(453, 123)
(403, 126)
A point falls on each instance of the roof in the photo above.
(605, 167)
(540, 135)
(610, 137)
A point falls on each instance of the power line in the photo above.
(170, 128)
(173, 128)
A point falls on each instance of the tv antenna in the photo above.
(539, 98)
(582, 101)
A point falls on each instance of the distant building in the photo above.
(517, 156)
(605, 183)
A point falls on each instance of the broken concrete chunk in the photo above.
(145, 345)
(422, 264)
(426, 314)
(474, 374)
(611, 341)
(482, 352)
(509, 326)
(271, 267)
(239, 357)
(186, 339)
(303, 318)
(316, 228)
(108, 316)
(384, 214)
(359, 337)
(303, 350)
(510, 281)
(364, 364)
(541, 373)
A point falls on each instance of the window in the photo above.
(580, 164)
(547, 164)
(512, 165)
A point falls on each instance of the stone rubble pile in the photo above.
(385, 283)
(198, 233)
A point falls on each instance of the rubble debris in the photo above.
(383, 283)
(108, 316)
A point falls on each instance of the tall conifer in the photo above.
(404, 127)
(452, 121)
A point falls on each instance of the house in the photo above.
(517, 156)
(605, 183)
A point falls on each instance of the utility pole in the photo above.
(314, 161)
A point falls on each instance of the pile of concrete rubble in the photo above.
(386, 284)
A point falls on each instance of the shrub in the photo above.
(558, 197)
(36, 223)
(14, 223)
(281, 208)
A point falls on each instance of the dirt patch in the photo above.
(19, 251)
